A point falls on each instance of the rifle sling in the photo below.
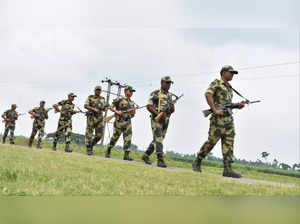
(238, 93)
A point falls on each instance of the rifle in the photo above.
(82, 112)
(125, 111)
(46, 110)
(206, 113)
(18, 115)
(167, 107)
(87, 113)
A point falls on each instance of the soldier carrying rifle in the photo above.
(39, 114)
(219, 98)
(65, 121)
(161, 106)
(9, 118)
(95, 104)
(124, 109)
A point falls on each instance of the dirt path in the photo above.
(241, 180)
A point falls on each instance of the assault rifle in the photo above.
(46, 110)
(167, 107)
(206, 113)
(81, 111)
(87, 113)
(125, 111)
(18, 115)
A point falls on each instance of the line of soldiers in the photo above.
(221, 121)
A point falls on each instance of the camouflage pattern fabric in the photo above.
(95, 121)
(39, 123)
(65, 121)
(159, 131)
(125, 128)
(158, 100)
(221, 127)
(122, 124)
(10, 124)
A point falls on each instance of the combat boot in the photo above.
(67, 148)
(38, 146)
(228, 172)
(107, 154)
(197, 165)
(126, 156)
(160, 161)
(146, 159)
(54, 146)
(3, 141)
(95, 141)
(89, 150)
(30, 143)
(12, 142)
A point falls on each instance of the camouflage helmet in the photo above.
(129, 88)
(167, 79)
(228, 68)
(14, 105)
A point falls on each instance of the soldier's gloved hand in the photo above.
(96, 110)
(63, 112)
(36, 115)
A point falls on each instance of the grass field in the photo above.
(26, 171)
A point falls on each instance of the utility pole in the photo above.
(108, 93)
(109, 84)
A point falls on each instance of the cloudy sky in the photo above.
(50, 48)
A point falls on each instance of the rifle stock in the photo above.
(206, 113)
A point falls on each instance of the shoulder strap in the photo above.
(238, 93)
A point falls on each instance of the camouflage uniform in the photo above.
(122, 124)
(158, 99)
(221, 127)
(95, 121)
(38, 125)
(65, 122)
(10, 125)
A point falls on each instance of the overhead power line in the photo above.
(244, 68)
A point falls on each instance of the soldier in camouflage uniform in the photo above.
(95, 104)
(221, 122)
(157, 101)
(10, 117)
(39, 114)
(65, 120)
(124, 109)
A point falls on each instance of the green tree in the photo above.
(265, 155)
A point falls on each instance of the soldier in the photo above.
(65, 120)
(95, 104)
(39, 114)
(157, 101)
(10, 117)
(124, 109)
(221, 122)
